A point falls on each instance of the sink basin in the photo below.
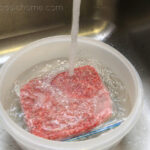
(124, 25)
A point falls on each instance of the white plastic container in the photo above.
(56, 47)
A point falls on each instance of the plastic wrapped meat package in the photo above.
(65, 106)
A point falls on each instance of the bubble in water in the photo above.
(51, 68)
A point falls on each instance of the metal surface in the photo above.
(125, 25)
(25, 21)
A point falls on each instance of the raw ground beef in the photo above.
(65, 106)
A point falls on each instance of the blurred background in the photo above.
(23, 21)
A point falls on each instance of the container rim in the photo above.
(102, 141)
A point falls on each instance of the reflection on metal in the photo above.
(106, 33)
(25, 21)
(95, 31)
(4, 59)
(10, 50)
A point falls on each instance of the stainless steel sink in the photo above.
(123, 24)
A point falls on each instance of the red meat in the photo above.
(65, 106)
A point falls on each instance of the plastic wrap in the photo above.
(58, 107)
(65, 106)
